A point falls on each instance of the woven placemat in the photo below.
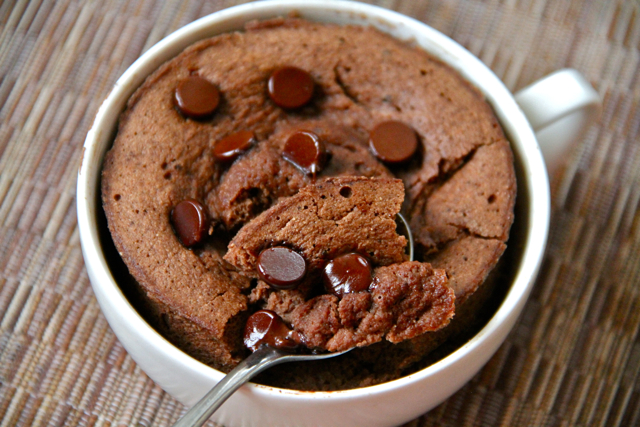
(572, 359)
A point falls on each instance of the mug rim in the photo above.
(513, 121)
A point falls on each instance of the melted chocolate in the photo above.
(196, 97)
(266, 327)
(290, 87)
(190, 222)
(393, 141)
(230, 147)
(281, 267)
(306, 151)
(347, 273)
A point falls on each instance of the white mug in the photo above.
(557, 115)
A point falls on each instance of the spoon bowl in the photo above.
(404, 229)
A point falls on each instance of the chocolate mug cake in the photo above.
(221, 149)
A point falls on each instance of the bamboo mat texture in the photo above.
(573, 357)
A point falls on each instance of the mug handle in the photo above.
(559, 107)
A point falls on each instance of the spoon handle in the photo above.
(249, 367)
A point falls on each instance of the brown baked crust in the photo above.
(363, 77)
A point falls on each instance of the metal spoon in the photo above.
(404, 229)
(263, 358)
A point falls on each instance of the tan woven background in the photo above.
(574, 356)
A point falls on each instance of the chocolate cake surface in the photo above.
(460, 184)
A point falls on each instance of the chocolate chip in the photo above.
(196, 97)
(347, 273)
(230, 147)
(266, 327)
(281, 267)
(290, 87)
(306, 151)
(189, 220)
(393, 141)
